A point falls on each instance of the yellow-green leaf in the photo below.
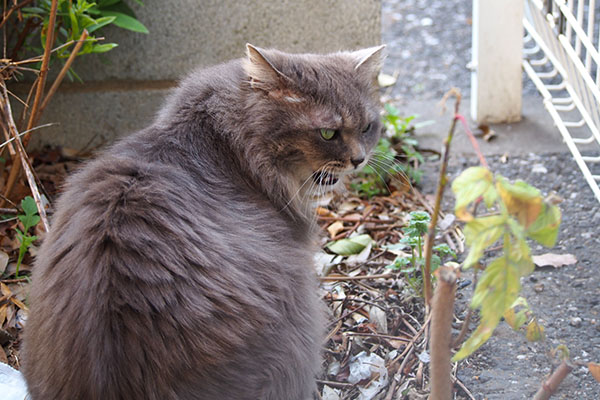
(523, 201)
(545, 228)
(477, 339)
(535, 332)
(481, 233)
(496, 292)
(471, 184)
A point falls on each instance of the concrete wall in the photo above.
(124, 87)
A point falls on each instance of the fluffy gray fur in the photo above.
(179, 263)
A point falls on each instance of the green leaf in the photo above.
(444, 250)
(469, 186)
(100, 22)
(399, 263)
(74, 23)
(102, 48)
(125, 21)
(391, 110)
(34, 10)
(481, 233)
(107, 3)
(28, 205)
(353, 245)
(418, 223)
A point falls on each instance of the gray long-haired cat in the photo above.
(179, 263)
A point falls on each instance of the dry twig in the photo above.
(23, 157)
(41, 81)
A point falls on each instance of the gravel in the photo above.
(428, 48)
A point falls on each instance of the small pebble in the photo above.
(575, 322)
(426, 21)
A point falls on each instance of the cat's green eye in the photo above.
(327, 134)
(366, 128)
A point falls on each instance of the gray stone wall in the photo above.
(124, 87)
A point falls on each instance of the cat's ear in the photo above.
(369, 59)
(263, 74)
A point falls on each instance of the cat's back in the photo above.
(155, 278)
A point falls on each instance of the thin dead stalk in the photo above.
(438, 197)
(44, 69)
(41, 81)
(13, 9)
(23, 157)
(550, 385)
(61, 76)
(441, 324)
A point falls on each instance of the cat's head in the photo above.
(317, 117)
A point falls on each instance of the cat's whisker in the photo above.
(395, 167)
(387, 162)
(297, 192)
(380, 177)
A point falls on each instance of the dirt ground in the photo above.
(566, 299)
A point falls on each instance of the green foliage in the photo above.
(520, 214)
(353, 245)
(73, 16)
(29, 220)
(418, 226)
(394, 154)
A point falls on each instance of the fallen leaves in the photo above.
(554, 260)
(594, 370)
(353, 245)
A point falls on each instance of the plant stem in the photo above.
(60, 76)
(438, 197)
(551, 384)
(441, 321)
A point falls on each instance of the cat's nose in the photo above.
(357, 161)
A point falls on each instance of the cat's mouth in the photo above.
(325, 178)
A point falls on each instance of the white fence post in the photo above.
(496, 80)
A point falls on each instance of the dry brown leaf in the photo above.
(594, 370)
(3, 308)
(378, 317)
(3, 261)
(5, 290)
(19, 303)
(353, 217)
(554, 260)
(323, 212)
(335, 228)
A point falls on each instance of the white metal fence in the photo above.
(563, 60)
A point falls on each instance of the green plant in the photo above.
(29, 220)
(395, 153)
(519, 212)
(72, 18)
(417, 227)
